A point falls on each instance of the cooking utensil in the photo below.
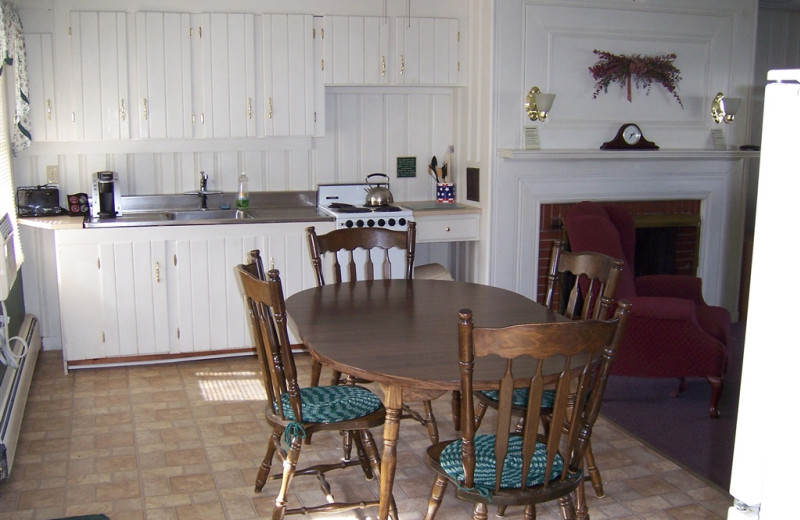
(378, 195)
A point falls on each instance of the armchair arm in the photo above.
(661, 308)
(671, 286)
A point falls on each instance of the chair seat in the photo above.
(520, 397)
(485, 468)
(329, 404)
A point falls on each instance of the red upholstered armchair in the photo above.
(671, 331)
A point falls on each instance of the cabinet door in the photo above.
(100, 75)
(356, 50)
(41, 85)
(82, 302)
(228, 67)
(164, 69)
(427, 51)
(288, 76)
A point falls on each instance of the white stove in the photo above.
(346, 203)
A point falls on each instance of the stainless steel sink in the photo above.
(209, 214)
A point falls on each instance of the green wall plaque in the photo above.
(406, 166)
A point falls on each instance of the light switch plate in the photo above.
(52, 174)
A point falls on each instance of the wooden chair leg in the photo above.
(430, 422)
(366, 465)
(594, 471)
(567, 507)
(266, 464)
(501, 510)
(347, 445)
(480, 511)
(480, 412)
(316, 372)
(716, 392)
(455, 407)
(530, 512)
(581, 510)
(371, 448)
(289, 467)
(437, 493)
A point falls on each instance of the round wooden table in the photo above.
(403, 334)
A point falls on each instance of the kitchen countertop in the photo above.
(431, 207)
(54, 222)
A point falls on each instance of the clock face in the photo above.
(631, 134)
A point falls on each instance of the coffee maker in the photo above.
(106, 201)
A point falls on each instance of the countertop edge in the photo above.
(55, 222)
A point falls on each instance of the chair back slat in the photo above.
(268, 324)
(583, 284)
(348, 240)
(573, 354)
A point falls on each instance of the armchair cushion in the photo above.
(671, 286)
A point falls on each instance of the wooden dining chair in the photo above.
(580, 286)
(340, 245)
(295, 414)
(489, 468)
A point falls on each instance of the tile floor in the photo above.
(183, 441)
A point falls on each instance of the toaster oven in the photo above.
(37, 201)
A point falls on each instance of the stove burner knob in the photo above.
(402, 222)
(349, 223)
(371, 223)
(360, 223)
(391, 222)
(381, 222)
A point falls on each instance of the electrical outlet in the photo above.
(52, 175)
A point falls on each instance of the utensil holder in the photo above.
(445, 193)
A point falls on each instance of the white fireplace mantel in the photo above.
(527, 179)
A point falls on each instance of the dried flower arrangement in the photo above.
(636, 69)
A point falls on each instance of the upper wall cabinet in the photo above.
(288, 84)
(425, 51)
(100, 75)
(163, 51)
(356, 50)
(41, 85)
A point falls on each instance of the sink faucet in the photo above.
(203, 192)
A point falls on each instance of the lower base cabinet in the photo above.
(126, 293)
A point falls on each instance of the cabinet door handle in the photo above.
(269, 108)
(322, 64)
(383, 66)
(447, 228)
(122, 109)
(49, 110)
(249, 108)
(202, 118)
(158, 273)
(175, 260)
(402, 64)
(144, 103)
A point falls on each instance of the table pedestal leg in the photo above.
(393, 402)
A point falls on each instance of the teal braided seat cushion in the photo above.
(450, 460)
(329, 404)
(520, 397)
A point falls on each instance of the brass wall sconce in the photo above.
(724, 109)
(538, 104)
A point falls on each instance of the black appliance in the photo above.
(37, 201)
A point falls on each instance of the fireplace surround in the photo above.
(527, 181)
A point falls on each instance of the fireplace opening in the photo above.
(667, 236)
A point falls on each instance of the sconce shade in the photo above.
(538, 104)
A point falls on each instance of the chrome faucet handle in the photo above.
(203, 181)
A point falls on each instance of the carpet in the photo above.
(680, 427)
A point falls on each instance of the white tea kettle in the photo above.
(378, 195)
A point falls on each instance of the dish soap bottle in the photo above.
(243, 198)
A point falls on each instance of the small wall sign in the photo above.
(406, 166)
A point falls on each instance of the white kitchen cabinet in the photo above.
(228, 73)
(356, 50)
(164, 60)
(288, 82)
(99, 44)
(129, 293)
(427, 51)
(41, 86)
(445, 227)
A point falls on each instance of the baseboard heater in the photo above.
(14, 391)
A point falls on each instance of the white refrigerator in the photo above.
(765, 458)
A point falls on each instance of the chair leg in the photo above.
(480, 511)
(567, 507)
(266, 464)
(336, 377)
(530, 512)
(347, 445)
(455, 407)
(439, 487)
(316, 372)
(480, 412)
(501, 510)
(430, 422)
(594, 471)
(289, 467)
(366, 466)
(716, 392)
(581, 509)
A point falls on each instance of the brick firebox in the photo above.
(682, 217)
